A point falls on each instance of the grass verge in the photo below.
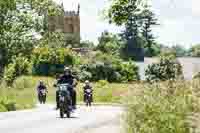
(162, 107)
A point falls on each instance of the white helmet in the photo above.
(87, 81)
(66, 68)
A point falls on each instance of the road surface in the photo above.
(45, 119)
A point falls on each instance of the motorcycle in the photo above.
(88, 97)
(65, 100)
(42, 96)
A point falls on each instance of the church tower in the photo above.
(67, 22)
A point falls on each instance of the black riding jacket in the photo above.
(41, 87)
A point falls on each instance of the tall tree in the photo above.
(125, 12)
(148, 20)
(137, 20)
(20, 22)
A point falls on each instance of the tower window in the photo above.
(71, 28)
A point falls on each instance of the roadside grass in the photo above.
(22, 95)
(164, 107)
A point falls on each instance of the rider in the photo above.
(85, 87)
(41, 87)
(68, 78)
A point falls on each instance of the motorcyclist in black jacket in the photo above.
(85, 87)
(41, 87)
(68, 78)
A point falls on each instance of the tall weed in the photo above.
(161, 107)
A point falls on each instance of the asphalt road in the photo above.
(45, 119)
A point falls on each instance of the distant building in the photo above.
(68, 22)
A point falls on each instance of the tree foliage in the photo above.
(109, 43)
(19, 66)
(20, 22)
(49, 61)
(148, 21)
(137, 19)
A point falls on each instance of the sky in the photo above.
(179, 20)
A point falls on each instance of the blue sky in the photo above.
(179, 20)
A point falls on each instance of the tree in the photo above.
(155, 50)
(134, 16)
(149, 20)
(52, 40)
(21, 21)
(109, 43)
(19, 66)
(127, 13)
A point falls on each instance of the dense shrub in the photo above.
(167, 68)
(48, 61)
(129, 71)
(195, 50)
(99, 71)
(19, 66)
(161, 108)
(197, 76)
(109, 68)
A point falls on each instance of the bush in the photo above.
(197, 76)
(195, 50)
(7, 105)
(3, 108)
(161, 108)
(48, 61)
(111, 71)
(129, 71)
(19, 66)
(167, 68)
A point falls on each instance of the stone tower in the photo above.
(67, 22)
